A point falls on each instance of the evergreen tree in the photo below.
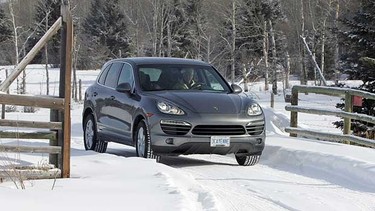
(251, 19)
(106, 28)
(178, 26)
(359, 42)
(5, 31)
(47, 12)
(193, 20)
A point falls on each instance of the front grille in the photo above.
(172, 129)
(255, 128)
(218, 130)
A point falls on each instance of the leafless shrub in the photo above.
(10, 108)
(29, 109)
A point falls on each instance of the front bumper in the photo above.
(190, 143)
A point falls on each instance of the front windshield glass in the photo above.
(180, 77)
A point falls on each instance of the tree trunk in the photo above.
(46, 55)
(161, 36)
(155, 28)
(323, 47)
(265, 55)
(303, 61)
(15, 40)
(169, 39)
(233, 74)
(274, 59)
(75, 61)
(287, 72)
(336, 43)
(3, 105)
(244, 78)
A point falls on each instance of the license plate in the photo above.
(220, 141)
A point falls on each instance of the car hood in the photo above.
(204, 102)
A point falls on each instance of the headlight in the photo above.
(167, 108)
(254, 109)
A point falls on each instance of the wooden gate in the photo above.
(60, 122)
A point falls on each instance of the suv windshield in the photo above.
(180, 77)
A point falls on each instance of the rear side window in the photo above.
(113, 75)
(103, 75)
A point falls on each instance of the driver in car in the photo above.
(186, 81)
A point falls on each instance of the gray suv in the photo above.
(171, 106)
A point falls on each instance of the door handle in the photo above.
(112, 97)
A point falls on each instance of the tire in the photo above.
(143, 141)
(247, 160)
(90, 136)
(101, 146)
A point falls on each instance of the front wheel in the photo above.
(143, 141)
(247, 160)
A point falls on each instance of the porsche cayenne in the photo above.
(171, 106)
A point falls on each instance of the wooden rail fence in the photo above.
(57, 131)
(346, 114)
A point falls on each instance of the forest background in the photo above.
(252, 39)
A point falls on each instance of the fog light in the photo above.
(169, 140)
(259, 140)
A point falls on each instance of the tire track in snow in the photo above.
(265, 188)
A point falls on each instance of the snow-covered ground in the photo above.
(293, 174)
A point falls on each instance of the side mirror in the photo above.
(124, 88)
(236, 89)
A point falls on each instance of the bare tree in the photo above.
(274, 59)
(265, 55)
(15, 29)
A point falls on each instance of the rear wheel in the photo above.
(90, 135)
(247, 160)
(143, 141)
(91, 139)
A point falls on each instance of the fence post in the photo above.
(3, 107)
(294, 114)
(2, 111)
(272, 100)
(53, 158)
(65, 84)
(348, 108)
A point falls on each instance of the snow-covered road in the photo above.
(262, 187)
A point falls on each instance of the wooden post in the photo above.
(272, 100)
(2, 111)
(65, 83)
(53, 158)
(348, 108)
(293, 114)
(3, 107)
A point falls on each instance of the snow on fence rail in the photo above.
(347, 114)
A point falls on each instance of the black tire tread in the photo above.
(248, 160)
